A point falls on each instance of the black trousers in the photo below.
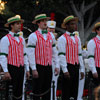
(93, 83)
(96, 81)
(17, 75)
(43, 83)
(70, 86)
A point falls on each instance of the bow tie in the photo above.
(72, 34)
(44, 31)
(16, 35)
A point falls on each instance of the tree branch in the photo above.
(90, 6)
(90, 29)
(60, 29)
(82, 6)
(89, 19)
(74, 8)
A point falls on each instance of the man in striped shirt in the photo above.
(13, 58)
(41, 50)
(93, 47)
(69, 49)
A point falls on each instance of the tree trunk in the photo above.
(81, 30)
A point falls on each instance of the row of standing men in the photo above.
(42, 55)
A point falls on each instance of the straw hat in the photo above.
(40, 17)
(51, 24)
(96, 26)
(13, 19)
(67, 19)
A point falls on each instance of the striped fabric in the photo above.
(43, 50)
(16, 53)
(97, 52)
(71, 49)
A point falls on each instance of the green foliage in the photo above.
(92, 35)
(7, 13)
(29, 8)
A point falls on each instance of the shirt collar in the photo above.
(68, 33)
(98, 37)
(40, 30)
(12, 33)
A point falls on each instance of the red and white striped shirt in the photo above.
(97, 52)
(71, 49)
(16, 51)
(43, 50)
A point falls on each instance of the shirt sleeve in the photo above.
(82, 68)
(62, 53)
(91, 49)
(54, 52)
(55, 57)
(4, 44)
(31, 50)
(26, 63)
(84, 53)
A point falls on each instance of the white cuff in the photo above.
(57, 65)
(33, 67)
(3, 61)
(64, 69)
(82, 70)
(93, 70)
(27, 67)
(5, 69)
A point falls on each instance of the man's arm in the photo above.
(4, 45)
(82, 68)
(31, 53)
(91, 49)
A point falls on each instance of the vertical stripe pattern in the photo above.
(71, 49)
(97, 52)
(43, 50)
(16, 53)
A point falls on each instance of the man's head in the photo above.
(41, 21)
(70, 23)
(71, 26)
(14, 23)
(15, 27)
(51, 25)
(42, 24)
(96, 28)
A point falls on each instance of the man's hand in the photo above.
(95, 75)
(67, 75)
(6, 76)
(27, 74)
(35, 74)
(82, 75)
(57, 71)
